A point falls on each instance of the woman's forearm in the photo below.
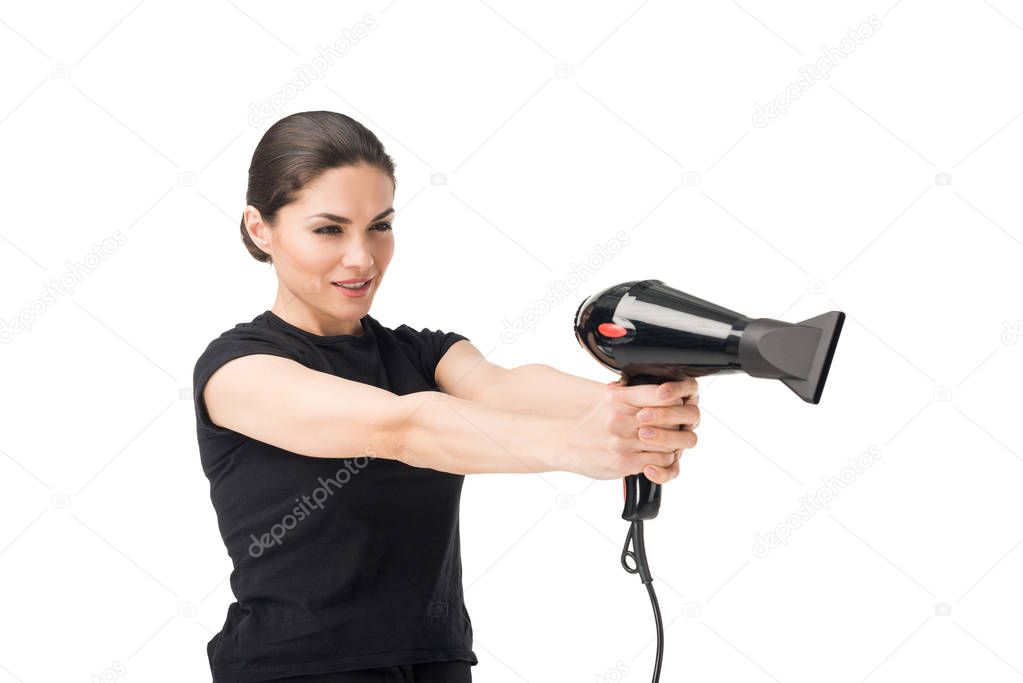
(454, 435)
(540, 389)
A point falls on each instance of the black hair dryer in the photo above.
(651, 333)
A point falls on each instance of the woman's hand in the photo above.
(606, 442)
(673, 418)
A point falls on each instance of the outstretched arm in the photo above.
(540, 391)
(282, 403)
(535, 388)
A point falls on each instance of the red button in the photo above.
(612, 330)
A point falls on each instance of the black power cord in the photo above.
(638, 556)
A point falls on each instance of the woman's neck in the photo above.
(293, 310)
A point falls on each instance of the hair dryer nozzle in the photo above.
(798, 354)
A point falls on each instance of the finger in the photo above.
(666, 438)
(661, 459)
(664, 394)
(682, 390)
(668, 416)
(661, 475)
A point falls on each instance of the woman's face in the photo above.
(339, 228)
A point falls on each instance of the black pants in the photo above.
(431, 672)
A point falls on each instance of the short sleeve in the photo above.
(221, 350)
(431, 345)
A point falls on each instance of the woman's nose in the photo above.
(358, 256)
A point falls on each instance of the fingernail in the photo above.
(650, 472)
(646, 432)
(645, 414)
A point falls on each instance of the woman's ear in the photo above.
(257, 228)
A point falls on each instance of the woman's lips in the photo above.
(354, 292)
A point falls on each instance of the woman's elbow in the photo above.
(407, 431)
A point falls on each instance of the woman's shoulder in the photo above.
(416, 335)
(257, 328)
(407, 329)
(429, 343)
(252, 336)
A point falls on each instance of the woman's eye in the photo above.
(334, 229)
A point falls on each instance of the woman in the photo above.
(336, 447)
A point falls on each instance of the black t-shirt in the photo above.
(339, 563)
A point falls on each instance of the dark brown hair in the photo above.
(296, 150)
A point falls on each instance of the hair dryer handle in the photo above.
(642, 496)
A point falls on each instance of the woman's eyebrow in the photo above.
(348, 221)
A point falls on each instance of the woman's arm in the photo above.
(539, 389)
(283, 403)
(535, 389)
(455, 435)
(451, 434)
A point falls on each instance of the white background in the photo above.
(527, 136)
